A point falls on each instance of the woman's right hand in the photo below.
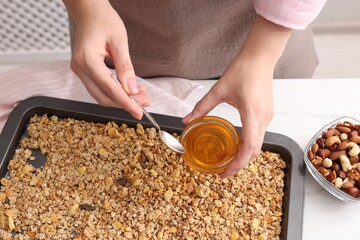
(100, 33)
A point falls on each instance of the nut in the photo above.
(343, 129)
(354, 160)
(323, 171)
(310, 155)
(338, 182)
(353, 174)
(357, 183)
(335, 167)
(343, 136)
(327, 163)
(317, 161)
(354, 133)
(341, 174)
(323, 152)
(347, 185)
(329, 133)
(332, 140)
(343, 145)
(332, 176)
(202, 191)
(336, 155)
(354, 149)
(320, 142)
(314, 147)
(345, 163)
(352, 191)
(355, 139)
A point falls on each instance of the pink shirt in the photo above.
(294, 14)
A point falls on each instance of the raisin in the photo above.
(143, 161)
(87, 207)
(123, 182)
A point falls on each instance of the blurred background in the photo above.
(37, 31)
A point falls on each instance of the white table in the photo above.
(302, 107)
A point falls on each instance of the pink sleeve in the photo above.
(294, 14)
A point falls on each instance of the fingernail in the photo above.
(133, 87)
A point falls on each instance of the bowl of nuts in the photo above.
(332, 158)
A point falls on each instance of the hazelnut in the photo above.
(335, 166)
(357, 183)
(341, 174)
(352, 191)
(320, 142)
(347, 185)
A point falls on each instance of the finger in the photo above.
(205, 105)
(106, 91)
(95, 91)
(123, 66)
(143, 97)
(250, 146)
(90, 85)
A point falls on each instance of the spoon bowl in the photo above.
(166, 137)
(171, 141)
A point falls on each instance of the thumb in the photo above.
(203, 107)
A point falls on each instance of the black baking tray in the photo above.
(15, 129)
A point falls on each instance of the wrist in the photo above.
(81, 10)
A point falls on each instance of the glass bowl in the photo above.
(210, 144)
(327, 182)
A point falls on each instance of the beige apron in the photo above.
(198, 39)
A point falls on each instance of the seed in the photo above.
(5, 182)
(11, 223)
(128, 235)
(102, 151)
(218, 203)
(168, 195)
(153, 173)
(9, 212)
(109, 181)
(160, 235)
(27, 169)
(2, 197)
(81, 170)
(116, 225)
(255, 223)
(202, 191)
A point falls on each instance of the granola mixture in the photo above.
(104, 181)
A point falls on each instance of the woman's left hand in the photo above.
(247, 85)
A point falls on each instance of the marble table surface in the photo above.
(303, 107)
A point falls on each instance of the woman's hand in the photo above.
(247, 85)
(100, 33)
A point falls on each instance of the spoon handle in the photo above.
(146, 113)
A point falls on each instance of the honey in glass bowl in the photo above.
(210, 144)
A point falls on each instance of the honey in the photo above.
(210, 144)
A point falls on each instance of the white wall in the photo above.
(340, 11)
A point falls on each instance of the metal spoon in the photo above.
(166, 137)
